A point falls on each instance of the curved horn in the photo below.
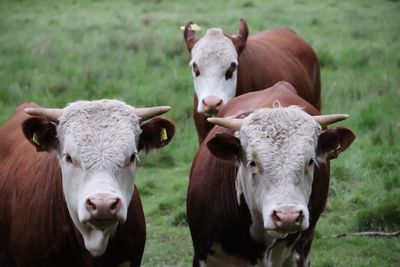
(148, 113)
(189, 36)
(52, 114)
(325, 120)
(230, 123)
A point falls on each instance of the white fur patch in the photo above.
(100, 137)
(281, 142)
(213, 55)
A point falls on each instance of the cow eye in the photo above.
(133, 157)
(196, 70)
(254, 167)
(312, 162)
(229, 72)
(68, 158)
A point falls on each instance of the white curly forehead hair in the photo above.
(214, 47)
(99, 126)
(279, 127)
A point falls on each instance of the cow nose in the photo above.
(288, 218)
(212, 104)
(103, 206)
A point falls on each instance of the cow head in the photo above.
(277, 150)
(97, 145)
(214, 66)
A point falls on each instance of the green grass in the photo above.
(55, 52)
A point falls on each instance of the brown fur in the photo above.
(214, 214)
(35, 226)
(266, 58)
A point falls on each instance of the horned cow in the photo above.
(260, 179)
(76, 205)
(224, 66)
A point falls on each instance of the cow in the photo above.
(76, 205)
(259, 180)
(224, 66)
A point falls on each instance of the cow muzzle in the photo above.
(212, 105)
(289, 219)
(103, 210)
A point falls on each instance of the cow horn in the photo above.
(148, 113)
(325, 120)
(52, 114)
(230, 123)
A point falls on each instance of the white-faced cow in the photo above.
(225, 66)
(77, 205)
(259, 183)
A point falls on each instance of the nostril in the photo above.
(90, 206)
(204, 102)
(300, 217)
(219, 103)
(275, 216)
(115, 205)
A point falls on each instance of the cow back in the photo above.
(277, 55)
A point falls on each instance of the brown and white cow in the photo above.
(77, 205)
(225, 66)
(259, 183)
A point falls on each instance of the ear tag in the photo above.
(193, 27)
(164, 135)
(35, 139)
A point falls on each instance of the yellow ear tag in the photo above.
(193, 27)
(164, 135)
(35, 139)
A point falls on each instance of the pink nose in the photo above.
(212, 104)
(287, 218)
(103, 207)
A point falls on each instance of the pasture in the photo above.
(55, 52)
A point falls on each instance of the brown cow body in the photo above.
(269, 57)
(214, 215)
(35, 226)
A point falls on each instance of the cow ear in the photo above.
(189, 36)
(41, 133)
(239, 39)
(224, 146)
(156, 133)
(333, 141)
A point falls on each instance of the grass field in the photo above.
(55, 52)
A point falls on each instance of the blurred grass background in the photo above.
(55, 52)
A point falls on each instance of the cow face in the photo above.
(214, 66)
(97, 145)
(277, 150)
